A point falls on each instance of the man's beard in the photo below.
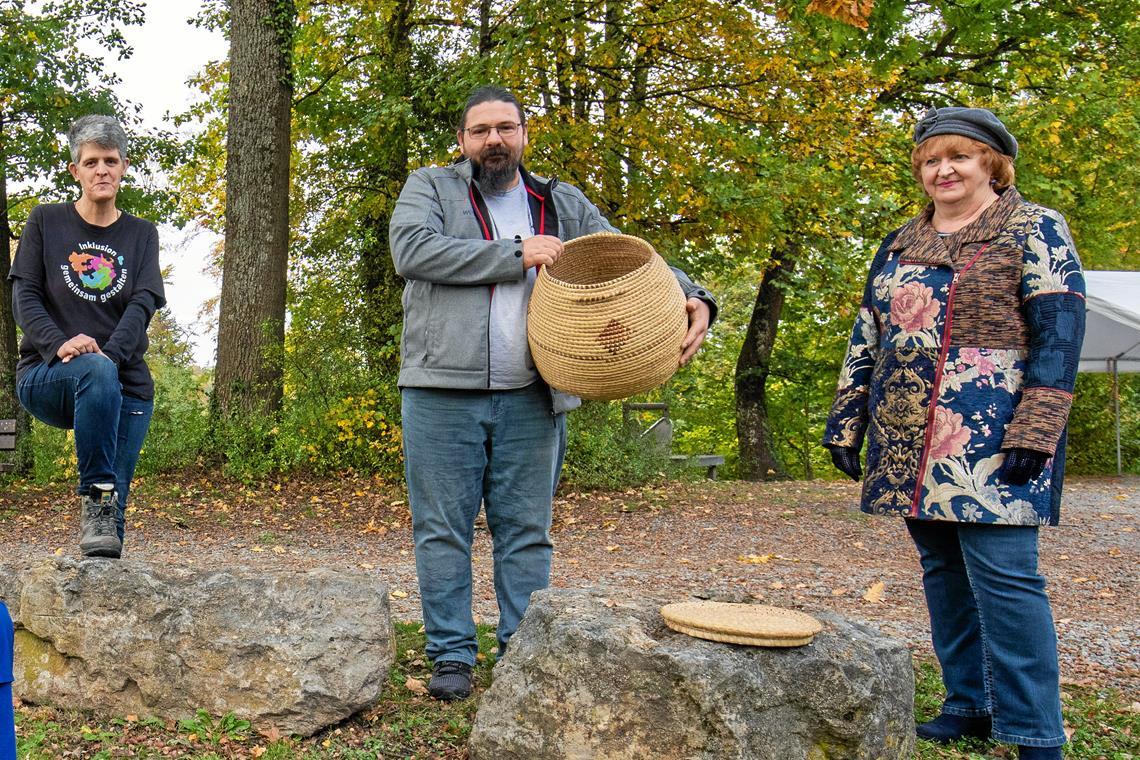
(497, 169)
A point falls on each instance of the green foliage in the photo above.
(601, 454)
(252, 447)
(205, 727)
(53, 452)
(1103, 724)
(180, 426)
(730, 135)
(1092, 426)
(360, 432)
(47, 80)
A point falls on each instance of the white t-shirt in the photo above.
(511, 363)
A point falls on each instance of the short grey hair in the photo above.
(104, 131)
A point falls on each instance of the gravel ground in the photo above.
(795, 544)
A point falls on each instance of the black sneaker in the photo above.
(450, 680)
(950, 728)
(98, 534)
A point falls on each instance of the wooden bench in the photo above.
(709, 461)
(7, 442)
(659, 434)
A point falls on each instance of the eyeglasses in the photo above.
(481, 132)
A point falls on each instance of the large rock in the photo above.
(598, 675)
(296, 650)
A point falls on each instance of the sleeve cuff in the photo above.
(1039, 420)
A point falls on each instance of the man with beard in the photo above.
(479, 424)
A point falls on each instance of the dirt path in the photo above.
(800, 544)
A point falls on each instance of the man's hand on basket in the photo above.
(698, 312)
(540, 250)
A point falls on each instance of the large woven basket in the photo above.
(606, 320)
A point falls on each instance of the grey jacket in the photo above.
(439, 236)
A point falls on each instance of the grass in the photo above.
(1101, 724)
(406, 724)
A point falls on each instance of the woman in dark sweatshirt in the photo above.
(86, 282)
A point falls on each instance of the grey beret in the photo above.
(975, 123)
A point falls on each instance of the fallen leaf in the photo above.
(398, 594)
(755, 559)
(415, 685)
(257, 751)
(875, 592)
(838, 591)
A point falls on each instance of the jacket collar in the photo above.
(923, 244)
(540, 194)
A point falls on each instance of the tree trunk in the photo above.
(251, 331)
(486, 42)
(758, 458)
(9, 405)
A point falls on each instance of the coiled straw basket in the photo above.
(606, 320)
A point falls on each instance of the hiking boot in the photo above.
(950, 728)
(450, 680)
(99, 536)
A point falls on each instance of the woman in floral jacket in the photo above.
(960, 374)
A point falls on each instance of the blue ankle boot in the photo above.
(950, 728)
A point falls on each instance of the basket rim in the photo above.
(598, 285)
(637, 242)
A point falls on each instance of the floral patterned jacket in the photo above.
(964, 345)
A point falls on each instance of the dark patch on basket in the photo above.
(613, 336)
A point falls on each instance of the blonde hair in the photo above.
(999, 165)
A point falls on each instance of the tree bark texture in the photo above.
(758, 458)
(9, 404)
(251, 332)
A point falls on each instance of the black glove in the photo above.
(846, 460)
(1022, 465)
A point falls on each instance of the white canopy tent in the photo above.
(1112, 331)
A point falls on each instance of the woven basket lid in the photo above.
(607, 319)
(752, 624)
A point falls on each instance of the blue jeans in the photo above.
(992, 627)
(463, 448)
(109, 425)
(7, 719)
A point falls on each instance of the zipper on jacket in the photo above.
(935, 391)
(487, 235)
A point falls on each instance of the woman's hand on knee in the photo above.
(80, 344)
